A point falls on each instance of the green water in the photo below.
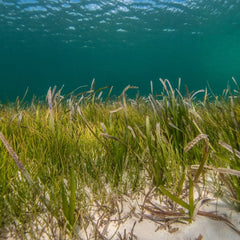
(120, 42)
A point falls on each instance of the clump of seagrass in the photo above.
(175, 214)
(68, 207)
(189, 205)
(35, 188)
(227, 176)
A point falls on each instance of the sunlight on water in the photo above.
(52, 17)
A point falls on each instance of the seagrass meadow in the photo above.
(66, 157)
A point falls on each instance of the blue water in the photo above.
(122, 42)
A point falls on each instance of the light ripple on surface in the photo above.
(162, 17)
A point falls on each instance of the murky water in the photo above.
(118, 42)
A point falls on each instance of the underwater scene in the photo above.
(117, 42)
(119, 119)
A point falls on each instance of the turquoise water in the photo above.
(119, 42)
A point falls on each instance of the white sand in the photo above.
(148, 229)
(120, 219)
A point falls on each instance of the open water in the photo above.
(118, 42)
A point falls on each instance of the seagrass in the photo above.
(95, 151)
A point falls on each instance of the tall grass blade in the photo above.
(58, 96)
(181, 183)
(72, 198)
(164, 85)
(191, 198)
(109, 94)
(151, 85)
(50, 105)
(17, 161)
(234, 80)
(194, 94)
(124, 95)
(116, 110)
(219, 170)
(148, 129)
(24, 96)
(65, 206)
(229, 148)
(174, 198)
(179, 84)
(195, 141)
(205, 154)
(89, 127)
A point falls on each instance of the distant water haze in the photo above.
(119, 42)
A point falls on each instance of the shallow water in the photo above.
(118, 42)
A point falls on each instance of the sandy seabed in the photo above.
(143, 217)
